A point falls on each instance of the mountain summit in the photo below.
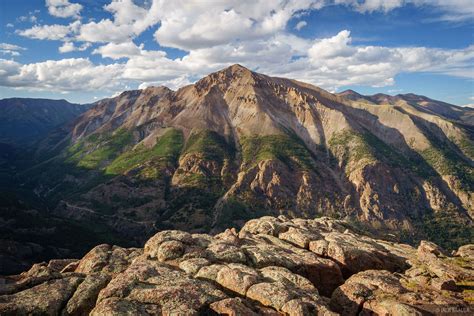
(238, 144)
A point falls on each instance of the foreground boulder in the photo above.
(273, 266)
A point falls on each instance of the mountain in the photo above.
(24, 121)
(237, 145)
(273, 266)
(448, 111)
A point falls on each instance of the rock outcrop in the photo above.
(272, 266)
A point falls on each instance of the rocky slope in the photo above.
(418, 102)
(24, 121)
(237, 145)
(272, 266)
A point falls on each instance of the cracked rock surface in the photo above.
(273, 266)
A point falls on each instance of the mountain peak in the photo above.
(351, 95)
(225, 77)
(237, 67)
(349, 91)
(233, 71)
(236, 71)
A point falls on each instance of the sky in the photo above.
(85, 50)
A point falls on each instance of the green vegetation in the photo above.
(447, 162)
(187, 201)
(467, 288)
(166, 151)
(443, 156)
(356, 150)
(51, 233)
(210, 152)
(467, 147)
(78, 169)
(96, 150)
(209, 144)
(462, 262)
(234, 210)
(444, 228)
(288, 149)
(353, 149)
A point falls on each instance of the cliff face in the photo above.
(272, 266)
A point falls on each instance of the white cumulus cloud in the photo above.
(63, 8)
(10, 49)
(193, 24)
(216, 34)
(344, 64)
(300, 25)
(73, 74)
(51, 32)
(68, 47)
(117, 51)
(105, 31)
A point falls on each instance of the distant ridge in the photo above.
(27, 120)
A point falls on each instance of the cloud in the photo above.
(194, 24)
(8, 68)
(68, 47)
(336, 46)
(130, 20)
(372, 5)
(117, 51)
(328, 62)
(471, 105)
(300, 25)
(51, 32)
(10, 49)
(215, 35)
(63, 8)
(191, 25)
(31, 17)
(126, 11)
(105, 31)
(172, 84)
(9, 25)
(344, 64)
(72, 74)
(452, 10)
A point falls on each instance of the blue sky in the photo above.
(84, 50)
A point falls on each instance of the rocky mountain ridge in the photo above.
(237, 145)
(279, 145)
(272, 266)
(434, 107)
